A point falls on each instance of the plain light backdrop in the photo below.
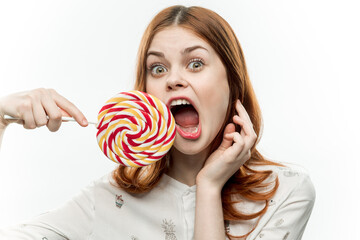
(302, 57)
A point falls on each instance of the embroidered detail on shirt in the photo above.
(134, 238)
(279, 222)
(261, 235)
(44, 238)
(286, 236)
(227, 226)
(119, 201)
(290, 173)
(169, 229)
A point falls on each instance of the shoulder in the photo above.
(294, 197)
(101, 189)
(104, 181)
(105, 185)
(290, 207)
(298, 179)
(293, 180)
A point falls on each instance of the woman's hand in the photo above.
(232, 153)
(38, 107)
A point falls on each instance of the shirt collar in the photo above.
(173, 185)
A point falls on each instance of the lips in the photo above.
(185, 126)
(190, 133)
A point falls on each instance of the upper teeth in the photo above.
(179, 102)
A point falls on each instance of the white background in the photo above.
(302, 56)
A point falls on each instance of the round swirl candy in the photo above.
(135, 129)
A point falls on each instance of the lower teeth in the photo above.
(190, 129)
(193, 129)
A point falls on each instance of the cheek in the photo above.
(217, 94)
(151, 88)
(221, 108)
(148, 85)
(156, 87)
(217, 104)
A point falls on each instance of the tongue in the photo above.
(187, 117)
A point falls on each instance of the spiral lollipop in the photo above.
(135, 129)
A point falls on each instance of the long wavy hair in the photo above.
(246, 182)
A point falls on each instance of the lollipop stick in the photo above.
(63, 119)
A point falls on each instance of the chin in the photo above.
(188, 151)
(189, 147)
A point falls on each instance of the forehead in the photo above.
(175, 38)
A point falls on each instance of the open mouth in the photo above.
(186, 118)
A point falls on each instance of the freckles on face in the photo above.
(182, 65)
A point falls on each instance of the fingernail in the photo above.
(84, 122)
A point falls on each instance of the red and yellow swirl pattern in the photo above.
(135, 129)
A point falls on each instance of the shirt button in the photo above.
(272, 202)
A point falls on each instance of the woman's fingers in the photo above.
(242, 112)
(227, 139)
(53, 111)
(69, 108)
(243, 140)
(61, 107)
(237, 120)
(39, 107)
(245, 147)
(38, 112)
(240, 151)
(235, 152)
(28, 117)
(244, 121)
(247, 131)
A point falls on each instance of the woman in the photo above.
(213, 183)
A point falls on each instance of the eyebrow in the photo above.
(185, 51)
(189, 49)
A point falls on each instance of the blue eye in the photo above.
(196, 64)
(158, 69)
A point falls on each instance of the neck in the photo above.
(184, 168)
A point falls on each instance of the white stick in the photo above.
(64, 119)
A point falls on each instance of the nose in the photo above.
(175, 81)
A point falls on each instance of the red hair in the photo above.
(246, 182)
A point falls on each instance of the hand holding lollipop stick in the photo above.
(135, 129)
(63, 119)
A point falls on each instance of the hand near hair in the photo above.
(232, 153)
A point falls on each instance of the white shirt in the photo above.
(103, 211)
